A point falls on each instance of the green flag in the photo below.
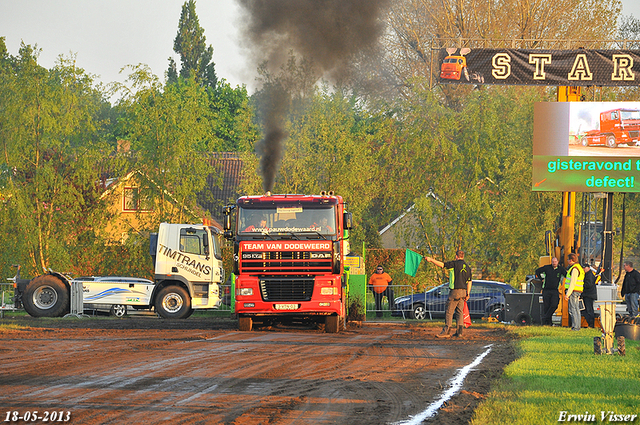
(411, 262)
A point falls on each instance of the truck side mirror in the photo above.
(348, 221)
(226, 221)
(205, 244)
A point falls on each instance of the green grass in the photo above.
(11, 327)
(558, 371)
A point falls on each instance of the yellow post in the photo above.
(566, 232)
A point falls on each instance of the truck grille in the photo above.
(295, 288)
(285, 262)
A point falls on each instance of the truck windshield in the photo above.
(630, 115)
(287, 219)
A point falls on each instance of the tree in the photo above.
(170, 133)
(419, 28)
(190, 45)
(52, 127)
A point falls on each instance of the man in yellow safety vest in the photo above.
(573, 285)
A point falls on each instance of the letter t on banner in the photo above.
(411, 262)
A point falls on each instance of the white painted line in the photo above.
(456, 384)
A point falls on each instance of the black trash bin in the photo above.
(523, 308)
(628, 331)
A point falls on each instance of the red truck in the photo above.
(617, 127)
(289, 259)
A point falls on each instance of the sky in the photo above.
(105, 36)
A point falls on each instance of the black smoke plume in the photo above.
(327, 33)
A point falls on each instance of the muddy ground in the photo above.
(203, 371)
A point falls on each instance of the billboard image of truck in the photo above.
(619, 126)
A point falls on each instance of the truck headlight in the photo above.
(245, 291)
(329, 290)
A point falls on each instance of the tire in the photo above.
(332, 324)
(46, 296)
(245, 324)
(498, 313)
(523, 319)
(118, 310)
(585, 141)
(611, 142)
(173, 302)
(418, 312)
(597, 345)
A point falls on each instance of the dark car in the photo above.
(486, 298)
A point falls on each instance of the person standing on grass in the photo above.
(574, 284)
(589, 295)
(631, 288)
(380, 284)
(459, 290)
(551, 275)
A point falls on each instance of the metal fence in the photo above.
(6, 299)
(225, 296)
(387, 305)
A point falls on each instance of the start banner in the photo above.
(580, 67)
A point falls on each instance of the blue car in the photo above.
(486, 298)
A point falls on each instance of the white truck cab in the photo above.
(188, 272)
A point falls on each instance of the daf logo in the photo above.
(320, 255)
(251, 255)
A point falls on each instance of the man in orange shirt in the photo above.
(380, 284)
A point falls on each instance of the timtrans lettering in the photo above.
(184, 259)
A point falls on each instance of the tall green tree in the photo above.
(170, 133)
(52, 130)
(196, 58)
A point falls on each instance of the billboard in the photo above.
(586, 147)
(579, 67)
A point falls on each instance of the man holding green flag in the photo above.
(460, 288)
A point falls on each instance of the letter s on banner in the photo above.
(501, 66)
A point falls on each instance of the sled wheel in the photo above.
(46, 296)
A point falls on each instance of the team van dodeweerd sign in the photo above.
(579, 67)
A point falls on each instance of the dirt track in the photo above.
(152, 371)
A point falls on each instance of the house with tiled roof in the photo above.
(222, 183)
(133, 211)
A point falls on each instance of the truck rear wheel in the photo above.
(245, 324)
(173, 302)
(46, 296)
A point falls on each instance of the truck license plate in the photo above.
(286, 306)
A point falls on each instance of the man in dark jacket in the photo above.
(630, 288)
(589, 295)
(551, 275)
(460, 288)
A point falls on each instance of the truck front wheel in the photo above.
(611, 141)
(46, 296)
(173, 302)
(245, 324)
(332, 324)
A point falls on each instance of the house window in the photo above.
(133, 201)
